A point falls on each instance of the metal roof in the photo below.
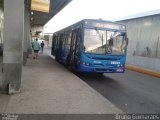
(139, 15)
(1, 2)
(41, 18)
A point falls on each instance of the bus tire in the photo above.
(56, 57)
(68, 64)
(100, 74)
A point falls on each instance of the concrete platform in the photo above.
(48, 87)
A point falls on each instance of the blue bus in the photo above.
(92, 46)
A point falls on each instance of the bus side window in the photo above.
(67, 41)
(63, 40)
(74, 41)
(57, 41)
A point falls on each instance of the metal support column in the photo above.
(29, 49)
(26, 39)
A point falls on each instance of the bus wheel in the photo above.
(68, 64)
(56, 58)
(69, 67)
(100, 74)
(68, 61)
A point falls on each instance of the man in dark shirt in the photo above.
(42, 46)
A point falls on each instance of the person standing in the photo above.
(42, 46)
(36, 48)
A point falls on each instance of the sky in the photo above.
(77, 10)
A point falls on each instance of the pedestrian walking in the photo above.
(42, 46)
(36, 48)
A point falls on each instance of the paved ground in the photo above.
(131, 92)
(43, 92)
(47, 87)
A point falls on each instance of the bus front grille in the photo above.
(103, 70)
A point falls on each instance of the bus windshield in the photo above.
(104, 42)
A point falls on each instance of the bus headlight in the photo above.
(118, 65)
(85, 63)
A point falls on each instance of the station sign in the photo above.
(40, 5)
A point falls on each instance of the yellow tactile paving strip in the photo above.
(141, 70)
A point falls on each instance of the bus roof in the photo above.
(95, 23)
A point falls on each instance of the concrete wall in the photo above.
(144, 42)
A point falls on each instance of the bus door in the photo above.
(70, 59)
(58, 47)
(67, 45)
(75, 47)
(53, 46)
(61, 46)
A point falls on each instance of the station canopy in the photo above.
(43, 10)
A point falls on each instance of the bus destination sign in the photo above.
(110, 26)
(106, 25)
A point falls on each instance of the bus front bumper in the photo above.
(84, 68)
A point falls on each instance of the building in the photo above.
(143, 31)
